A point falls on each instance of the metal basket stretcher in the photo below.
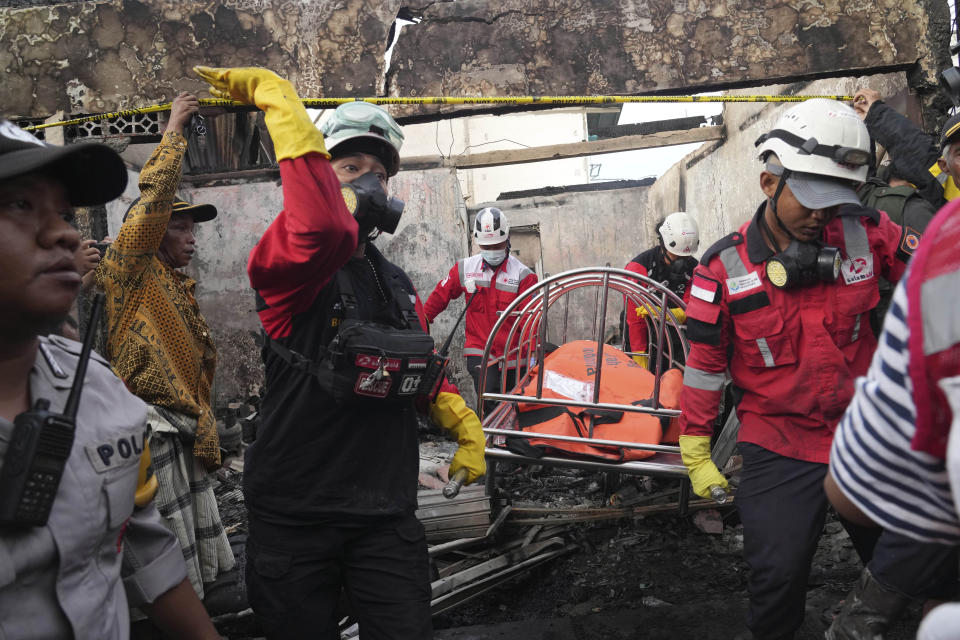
(527, 325)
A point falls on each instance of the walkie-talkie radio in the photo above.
(40, 446)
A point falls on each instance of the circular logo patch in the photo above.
(776, 273)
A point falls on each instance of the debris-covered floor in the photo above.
(652, 575)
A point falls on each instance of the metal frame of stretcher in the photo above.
(526, 322)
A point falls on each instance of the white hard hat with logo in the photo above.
(680, 234)
(491, 227)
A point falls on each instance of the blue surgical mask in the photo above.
(494, 257)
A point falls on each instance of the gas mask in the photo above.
(803, 263)
(494, 257)
(368, 203)
(679, 270)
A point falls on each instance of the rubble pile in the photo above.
(567, 543)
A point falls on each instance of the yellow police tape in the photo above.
(324, 103)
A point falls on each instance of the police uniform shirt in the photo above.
(76, 576)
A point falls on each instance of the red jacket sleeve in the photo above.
(636, 325)
(446, 290)
(530, 281)
(306, 243)
(708, 328)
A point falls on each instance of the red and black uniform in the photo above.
(652, 264)
(497, 287)
(794, 355)
(330, 487)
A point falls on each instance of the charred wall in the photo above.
(92, 56)
(87, 57)
(591, 47)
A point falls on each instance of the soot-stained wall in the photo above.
(598, 47)
(88, 57)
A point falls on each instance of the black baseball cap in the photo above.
(950, 131)
(91, 173)
(199, 212)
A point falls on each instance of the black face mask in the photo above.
(368, 203)
(803, 263)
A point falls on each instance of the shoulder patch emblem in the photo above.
(910, 241)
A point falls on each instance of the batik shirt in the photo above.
(158, 341)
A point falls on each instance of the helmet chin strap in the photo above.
(773, 207)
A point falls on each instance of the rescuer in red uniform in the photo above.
(672, 263)
(495, 279)
(784, 304)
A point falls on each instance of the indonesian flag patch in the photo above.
(705, 288)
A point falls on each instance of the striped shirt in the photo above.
(903, 490)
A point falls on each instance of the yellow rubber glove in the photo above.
(695, 451)
(643, 361)
(287, 121)
(451, 412)
(677, 312)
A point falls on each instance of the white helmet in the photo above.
(491, 227)
(820, 136)
(680, 233)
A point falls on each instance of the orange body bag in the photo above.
(569, 375)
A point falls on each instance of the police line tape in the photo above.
(326, 103)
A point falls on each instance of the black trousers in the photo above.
(783, 507)
(492, 383)
(296, 574)
(916, 569)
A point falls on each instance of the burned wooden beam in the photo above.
(648, 128)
